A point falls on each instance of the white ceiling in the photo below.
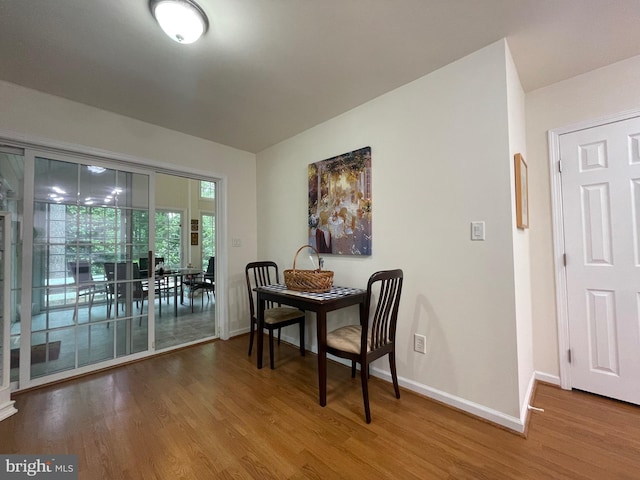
(269, 69)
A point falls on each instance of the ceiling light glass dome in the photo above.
(182, 20)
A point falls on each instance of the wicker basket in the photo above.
(308, 280)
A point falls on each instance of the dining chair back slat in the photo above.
(383, 324)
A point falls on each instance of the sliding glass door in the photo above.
(86, 288)
(89, 302)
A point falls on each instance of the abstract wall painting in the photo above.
(340, 204)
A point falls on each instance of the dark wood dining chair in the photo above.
(210, 274)
(375, 337)
(117, 274)
(140, 291)
(110, 275)
(163, 282)
(206, 282)
(259, 274)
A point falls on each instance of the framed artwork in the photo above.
(522, 192)
(194, 238)
(340, 204)
(194, 224)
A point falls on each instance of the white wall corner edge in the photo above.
(535, 377)
(526, 401)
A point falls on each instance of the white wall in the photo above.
(32, 114)
(521, 253)
(596, 94)
(440, 159)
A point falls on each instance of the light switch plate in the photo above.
(477, 230)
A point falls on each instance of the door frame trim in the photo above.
(562, 312)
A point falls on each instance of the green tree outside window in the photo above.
(207, 190)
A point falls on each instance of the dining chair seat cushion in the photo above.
(346, 339)
(277, 315)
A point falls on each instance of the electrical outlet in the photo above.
(236, 242)
(419, 343)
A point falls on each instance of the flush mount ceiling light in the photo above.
(182, 20)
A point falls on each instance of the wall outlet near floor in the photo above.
(419, 343)
(236, 242)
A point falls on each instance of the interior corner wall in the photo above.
(440, 156)
(35, 115)
(600, 93)
(521, 246)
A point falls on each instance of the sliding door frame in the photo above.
(48, 148)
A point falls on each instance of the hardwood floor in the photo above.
(207, 412)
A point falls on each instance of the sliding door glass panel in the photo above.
(12, 201)
(188, 306)
(90, 224)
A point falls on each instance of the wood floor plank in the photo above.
(207, 412)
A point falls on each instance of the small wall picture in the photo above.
(194, 238)
(340, 204)
(522, 192)
(194, 224)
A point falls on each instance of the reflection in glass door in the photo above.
(6, 404)
(89, 301)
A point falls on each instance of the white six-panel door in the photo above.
(601, 211)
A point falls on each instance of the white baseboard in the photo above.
(7, 409)
(486, 413)
(547, 378)
(240, 331)
(526, 401)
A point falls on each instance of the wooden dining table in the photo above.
(321, 304)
